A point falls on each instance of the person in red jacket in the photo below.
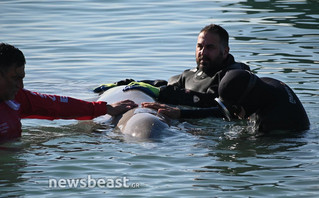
(17, 102)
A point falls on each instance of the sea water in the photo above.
(73, 46)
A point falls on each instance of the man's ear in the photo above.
(226, 52)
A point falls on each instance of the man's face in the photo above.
(209, 52)
(10, 82)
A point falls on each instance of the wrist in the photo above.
(109, 109)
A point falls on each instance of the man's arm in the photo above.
(201, 113)
(179, 96)
(44, 106)
(176, 113)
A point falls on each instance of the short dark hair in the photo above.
(220, 31)
(10, 56)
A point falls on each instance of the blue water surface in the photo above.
(73, 46)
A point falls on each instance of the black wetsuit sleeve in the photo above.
(156, 83)
(201, 113)
(177, 96)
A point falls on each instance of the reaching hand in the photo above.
(172, 112)
(146, 88)
(120, 107)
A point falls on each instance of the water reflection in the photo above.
(11, 164)
(244, 163)
(275, 35)
(301, 14)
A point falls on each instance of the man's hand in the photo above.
(146, 88)
(120, 107)
(172, 112)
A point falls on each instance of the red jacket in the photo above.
(29, 104)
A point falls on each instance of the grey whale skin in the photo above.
(138, 122)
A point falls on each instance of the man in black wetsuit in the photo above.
(194, 87)
(270, 103)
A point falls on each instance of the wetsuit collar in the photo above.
(228, 61)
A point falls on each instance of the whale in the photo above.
(138, 122)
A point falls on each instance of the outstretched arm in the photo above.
(180, 96)
(175, 113)
(44, 106)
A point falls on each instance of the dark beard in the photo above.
(211, 67)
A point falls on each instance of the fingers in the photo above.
(154, 105)
(163, 109)
(172, 113)
(127, 102)
(120, 107)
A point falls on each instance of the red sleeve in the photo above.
(43, 106)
